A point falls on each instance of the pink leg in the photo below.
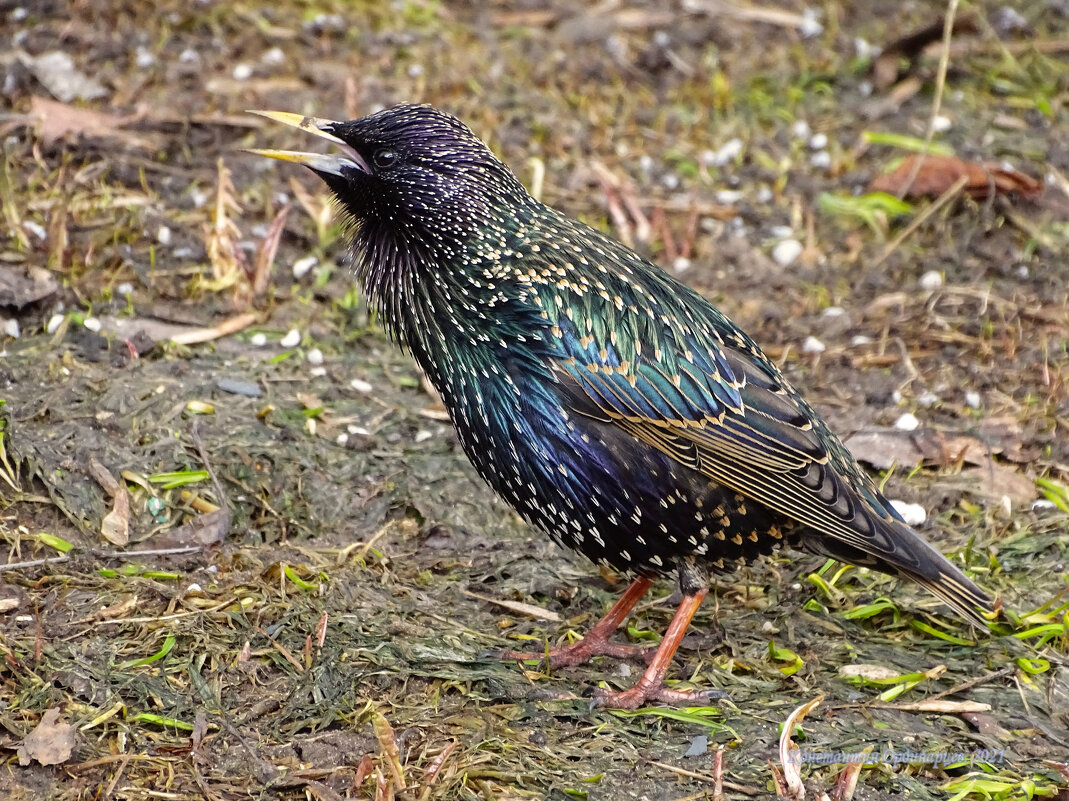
(596, 642)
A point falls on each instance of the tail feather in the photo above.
(925, 565)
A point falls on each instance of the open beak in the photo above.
(332, 164)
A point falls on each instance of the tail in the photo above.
(912, 558)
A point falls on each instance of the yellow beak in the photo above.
(316, 126)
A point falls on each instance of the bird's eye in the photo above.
(385, 158)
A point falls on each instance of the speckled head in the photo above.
(416, 171)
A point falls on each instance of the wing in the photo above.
(640, 351)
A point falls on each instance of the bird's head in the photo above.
(412, 171)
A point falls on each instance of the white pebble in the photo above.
(913, 513)
(907, 422)
(415, 70)
(302, 266)
(813, 345)
(786, 252)
(318, 372)
(681, 264)
(1042, 505)
(315, 356)
(423, 435)
(896, 396)
(258, 340)
(764, 195)
(972, 400)
(821, 159)
(927, 400)
(242, 72)
(163, 235)
(93, 324)
(801, 129)
(274, 56)
(941, 123)
(194, 587)
(781, 231)
(125, 288)
(818, 141)
(189, 56)
(144, 58)
(645, 162)
(729, 151)
(810, 25)
(54, 322)
(728, 197)
(198, 197)
(860, 339)
(34, 228)
(833, 311)
(931, 280)
(11, 328)
(361, 386)
(341, 439)
(670, 180)
(291, 340)
(865, 49)
(356, 430)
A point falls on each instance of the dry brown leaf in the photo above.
(265, 253)
(789, 762)
(57, 120)
(869, 672)
(1000, 481)
(21, 286)
(50, 743)
(937, 174)
(115, 526)
(884, 447)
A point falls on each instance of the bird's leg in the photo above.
(596, 642)
(651, 686)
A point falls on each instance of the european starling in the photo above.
(610, 405)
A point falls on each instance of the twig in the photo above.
(919, 220)
(968, 685)
(745, 789)
(148, 552)
(55, 560)
(937, 100)
(282, 650)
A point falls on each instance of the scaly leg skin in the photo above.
(651, 686)
(596, 642)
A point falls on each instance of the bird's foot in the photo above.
(641, 694)
(579, 652)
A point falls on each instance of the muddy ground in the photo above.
(328, 638)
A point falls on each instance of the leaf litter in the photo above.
(269, 661)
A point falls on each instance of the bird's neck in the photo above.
(444, 302)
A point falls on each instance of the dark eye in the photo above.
(386, 158)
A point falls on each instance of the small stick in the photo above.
(937, 100)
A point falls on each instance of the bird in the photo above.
(613, 407)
